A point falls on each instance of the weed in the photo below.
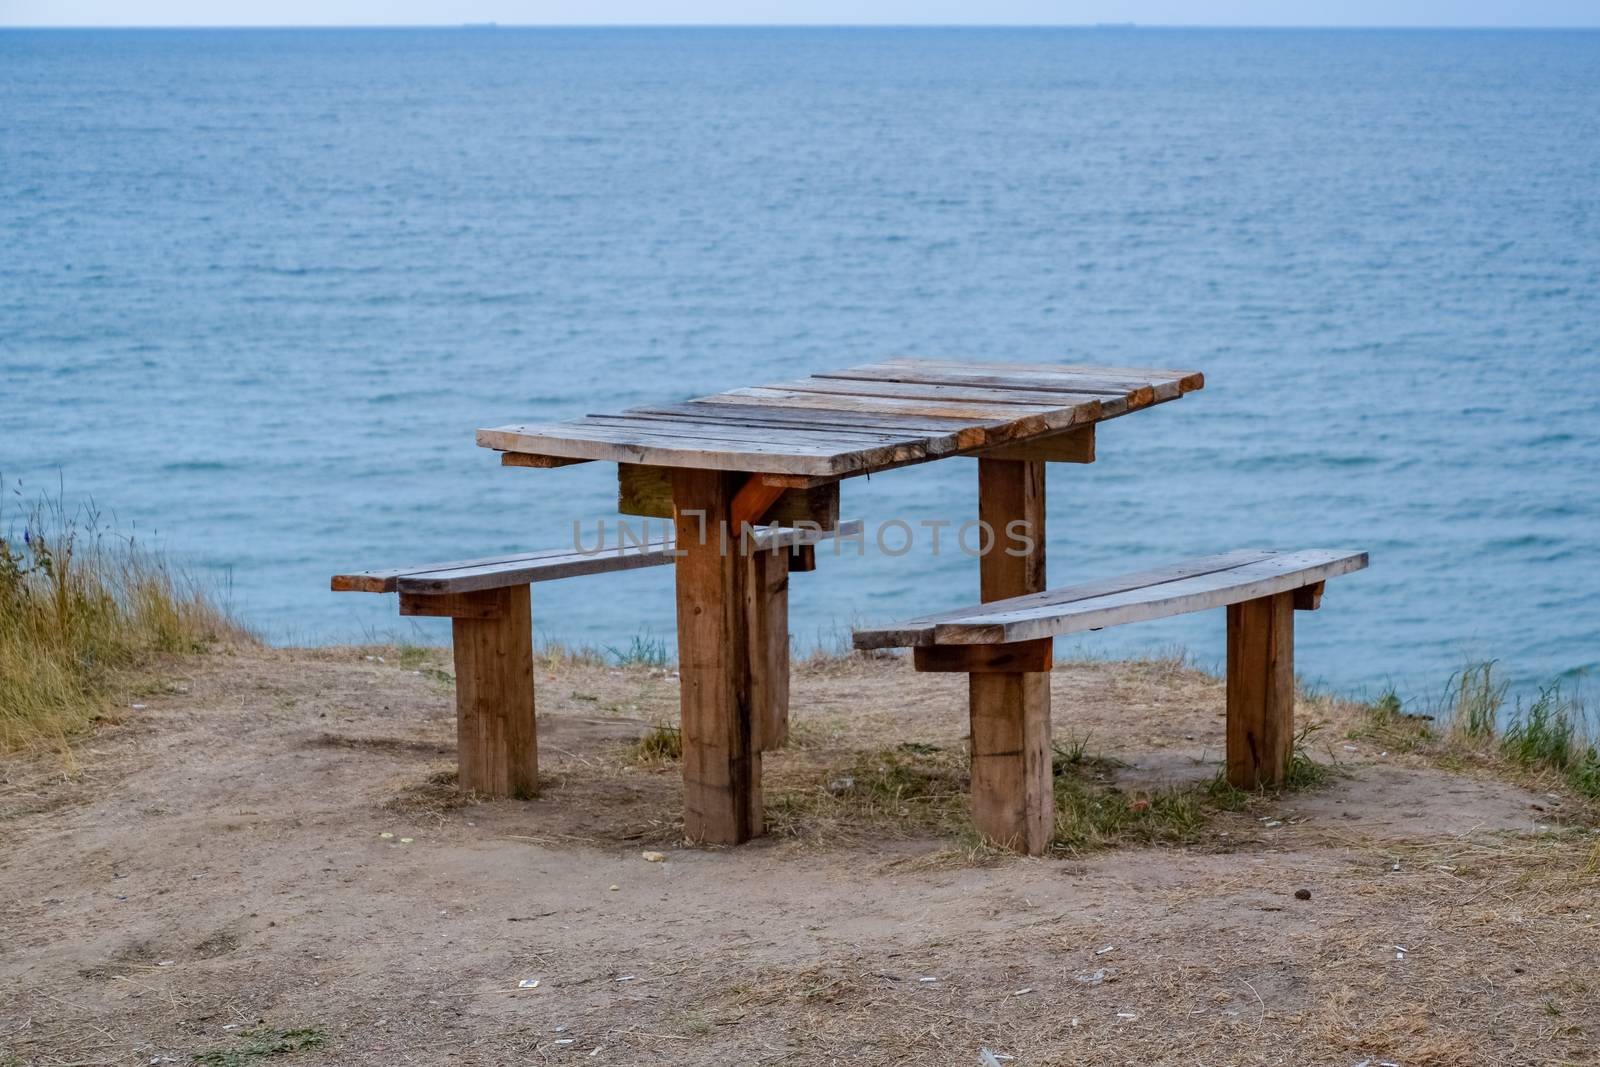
(1545, 735)
(1477, 700)
(1304, 772)
(663, 744)
(1091, 816)
(81, 610)
(260, 1043)
(412, 656)
(642, 651)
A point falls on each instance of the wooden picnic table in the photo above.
(776, 453)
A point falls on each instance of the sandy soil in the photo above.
(215, 868)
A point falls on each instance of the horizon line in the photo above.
(495, 24)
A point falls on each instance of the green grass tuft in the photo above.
(1474, 711)
(261, 1043)
(642, 651)
(1545, 735)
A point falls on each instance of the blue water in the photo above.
(258, 288)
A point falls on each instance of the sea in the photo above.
(259, 287)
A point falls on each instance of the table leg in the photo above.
(768, 614)
(1013, 797)
(721, 760)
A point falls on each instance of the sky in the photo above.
(828, 12)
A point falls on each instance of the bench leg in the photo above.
(1013, 792)
(721, 762)
(768, 610)
(1260, 690)
(1013, 799)
(496, 736)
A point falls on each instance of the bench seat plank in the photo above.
(919, 631)
(1213, 581)
(494, 572)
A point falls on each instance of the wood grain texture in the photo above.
(851, 421)
(767, 611)
(1188, 380)
(528, 459)
(479, 605)
(1011, 502)
(1308, 597)
(647, 491)
(1260, 689)
(1074, 446)
(752, 502)
(495, 572)
(1012, 792)
(1013, 803)
(920, 631)
(497, 747)
(985, 659)
(721, 760)
(998, 624)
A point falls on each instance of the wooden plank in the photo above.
(800, 481)
(493, 572)
(566, 564)
(528, 459)
(955, 393)
(387, 579)
(497, 747)
(986, 659)
(751, 503)
(767, 609)
(1188, 380)
(647, 491)
(598, 441)
(1038, 418)
(813, 418)
(451, 605)
(1022, 388)
(1260, 689)
(1074, 446)
(738, 430)
(919, 631)
(1013, 801)
(1278, 574)
(721, 761)
(1308, 597)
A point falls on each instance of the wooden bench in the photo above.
(1004, 646)
(488, 603)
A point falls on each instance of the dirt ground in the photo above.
(268, 858)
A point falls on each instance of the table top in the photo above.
(853, 421)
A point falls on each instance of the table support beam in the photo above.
(721, 757)
(768, 621)
(1013, 798)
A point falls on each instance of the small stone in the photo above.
(655, 857)
(615, 888)
(1302, 894)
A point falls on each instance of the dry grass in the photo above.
(82, 610)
